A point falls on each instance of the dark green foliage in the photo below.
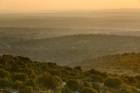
(17, 84)
(26, 89)
(5, 83)
(4, 73)
(27, 76)
(31, 82)
(50, 82)
(93, 72)
(20, 76)
(74, 85)
(87, 84)
(97, 78)
(88, 90)
(78, 68)
(113, 82)
(66, 90)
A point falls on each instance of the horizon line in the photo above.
(68, 11)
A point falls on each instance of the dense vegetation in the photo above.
(25, 76)
(127, 63)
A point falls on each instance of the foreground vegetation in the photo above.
(21, 75)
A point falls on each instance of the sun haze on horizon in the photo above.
(65, 5)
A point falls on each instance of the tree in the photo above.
(51, 82)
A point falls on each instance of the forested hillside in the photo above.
(22, 75)
(127, 63)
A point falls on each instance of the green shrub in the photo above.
(113, 82)
(5, 83)
(18, 84)
(51, 82)
(26, 89)
(4, 73)
(97, 78)
(88, 90)
(74, 85)
(66, 90)
(20, 76)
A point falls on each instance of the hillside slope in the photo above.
(23, 75)
(128, 63)
(72, 49)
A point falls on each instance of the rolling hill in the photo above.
(72, 50)
(127, 63)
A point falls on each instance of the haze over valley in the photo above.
(70, 38)
(53, 24)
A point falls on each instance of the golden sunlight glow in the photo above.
(39, 5)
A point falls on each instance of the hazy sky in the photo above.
(43, 5)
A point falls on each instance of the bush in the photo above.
(66, 90)
(78, 68)
(26, 89)
(50, 82)
(112, 83)
(74, 85)
(97, 78)
(4, 73)
(88, 90)
(87, 84)
(18, 84)
(20, 76)
(5, 83)
(31, 82)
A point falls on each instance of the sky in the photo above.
(64, 5)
